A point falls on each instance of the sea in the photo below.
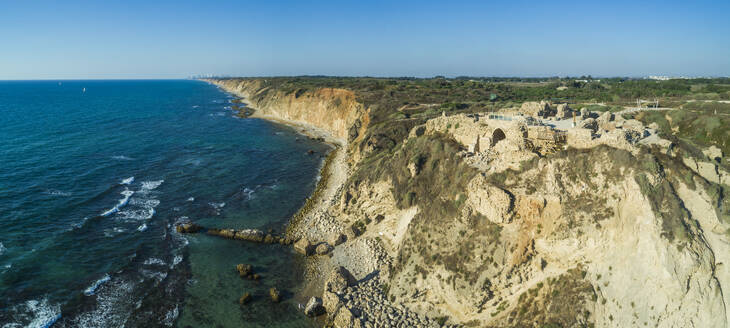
(94, 175)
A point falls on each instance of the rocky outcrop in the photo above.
(188, 227)
(304, 247)
(314, 307)
(605, 233)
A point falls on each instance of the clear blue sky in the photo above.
(172, 39)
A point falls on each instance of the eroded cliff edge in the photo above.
(474, 222)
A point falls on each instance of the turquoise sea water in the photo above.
(92, 183)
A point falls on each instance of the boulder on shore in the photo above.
(336, 239)
(304, 247)
(323, 248)
(339, 280)
(314, 307)
(331, 302)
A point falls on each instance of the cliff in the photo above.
(329, 109)
(474, 222)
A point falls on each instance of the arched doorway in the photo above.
(497, 136)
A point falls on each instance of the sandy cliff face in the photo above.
(333, 110)
(601, 236)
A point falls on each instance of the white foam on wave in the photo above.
(195, 106)
(2, 248)
(122, 158)
(217, 207)
(143, 227)
(110, 306)
(151, 185)
(170, 317)
(92, 289)
(35, 314)
(191, 199)
(176, 260)
(127, 181)
(154, 261)
(248, 192)
(127, 193)
(54, 192)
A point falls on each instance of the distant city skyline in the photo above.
(178, 39)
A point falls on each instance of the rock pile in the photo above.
(246, 271)
(252, 235)
(365, 305)
(188, 227)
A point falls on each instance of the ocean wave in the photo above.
(127, 194)
(142, 228)
(110, 306)
(195, 106)
(92, 289)
(127, 181)
(217, 207)
(248, 192)
(2, 248)
(137, 215)
(151, 185)
(122, 158)
(156, 275)
(35, 314)
(191, 199)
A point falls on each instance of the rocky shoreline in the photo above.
(329, 246)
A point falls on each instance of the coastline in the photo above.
(308, 221)
(335, 248)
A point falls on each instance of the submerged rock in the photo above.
(254, 235)
(314, 307)
(275, 294)
(245, 270)
(245, 298)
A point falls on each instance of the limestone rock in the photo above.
(345, 319)
(323, 248)
(336, 239)
(331, 302)
(250, 235)
(314, 307)
(304, 247)
(188, 227)
(339, 280)
(490, 201)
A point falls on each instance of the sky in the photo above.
(175, 39)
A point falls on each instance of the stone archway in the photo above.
(497, 136)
